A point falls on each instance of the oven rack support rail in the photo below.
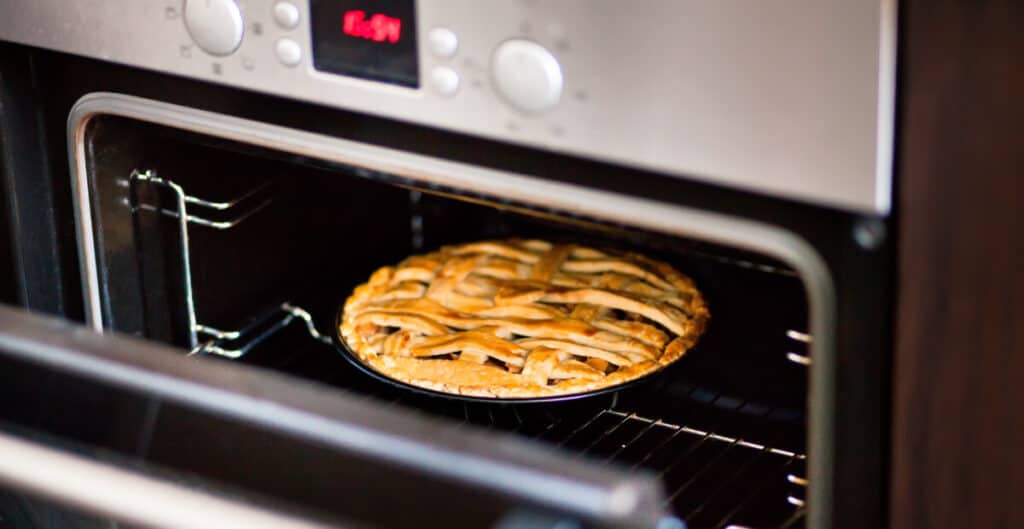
(238, 343)
(802, 359)
(234, 212)
(803, 339)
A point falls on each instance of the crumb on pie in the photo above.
(522, 319)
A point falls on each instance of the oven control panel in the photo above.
(790, 98)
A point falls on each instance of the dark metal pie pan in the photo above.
(348, 354)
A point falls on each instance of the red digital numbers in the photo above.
(378, 28)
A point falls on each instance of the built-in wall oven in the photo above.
(211, 178)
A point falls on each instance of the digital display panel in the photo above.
(369, 39)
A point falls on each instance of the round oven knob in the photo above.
(215, 25)
(527, 75)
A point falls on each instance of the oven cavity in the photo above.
(238, 253)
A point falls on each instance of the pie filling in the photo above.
(522, 318)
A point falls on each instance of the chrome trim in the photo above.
(128, 497)
(83, 221)
(642, 213)
(886, 121)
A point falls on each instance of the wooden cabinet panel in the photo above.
(958, 421)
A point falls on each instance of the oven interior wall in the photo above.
(724, 427)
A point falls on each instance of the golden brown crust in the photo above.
(522, 318)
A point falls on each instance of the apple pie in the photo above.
(522, 319)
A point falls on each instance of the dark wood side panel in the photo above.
(958, 422)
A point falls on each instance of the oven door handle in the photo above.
(105, 490)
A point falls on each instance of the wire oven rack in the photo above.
(726, 463)
(231, 344)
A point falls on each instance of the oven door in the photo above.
(100, 430)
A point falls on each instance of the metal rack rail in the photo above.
(236, 344)
(804, 340)
(797, 481)
(230, 344)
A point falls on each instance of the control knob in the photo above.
(527, 75)
(216, 26)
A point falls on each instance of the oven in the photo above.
(195, 187)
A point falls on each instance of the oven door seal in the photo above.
(747, 234)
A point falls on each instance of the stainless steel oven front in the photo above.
(214, 175)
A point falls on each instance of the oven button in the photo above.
(215, 25)
(286, 15)
(527, 75)
(444, 81)
(288, 52)
(443, 42)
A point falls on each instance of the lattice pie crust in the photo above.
(522, 318)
